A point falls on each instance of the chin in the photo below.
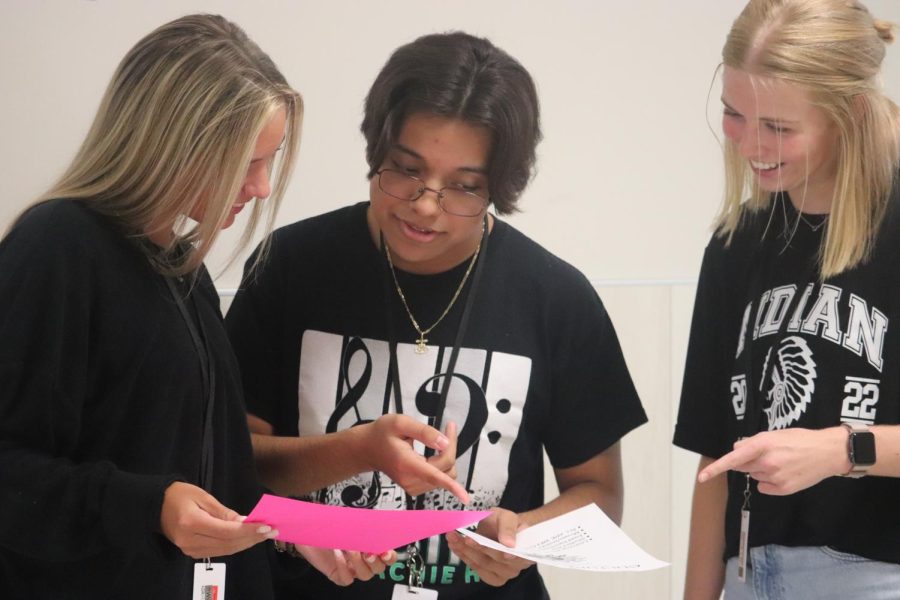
(229, 221)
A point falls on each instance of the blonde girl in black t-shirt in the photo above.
(802, 255)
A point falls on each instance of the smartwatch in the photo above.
(860, 449)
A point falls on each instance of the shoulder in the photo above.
(888, 238)
(733, 253)
(65, 229)
(310, 248)
(324, 229)
(535, 264)
(59, 216)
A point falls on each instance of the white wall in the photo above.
(628, 177)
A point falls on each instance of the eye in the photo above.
(778, 128)
(730, 113)
(403, 168)
(472, 189)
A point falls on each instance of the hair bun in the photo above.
(885, 30)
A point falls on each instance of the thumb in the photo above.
(216, 509)
(507, 525)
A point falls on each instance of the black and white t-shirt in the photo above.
(540, 366)
(815, 353)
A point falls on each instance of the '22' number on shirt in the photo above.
(861, 399)
(739, 396)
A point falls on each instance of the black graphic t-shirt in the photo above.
(773, 347)
(540, 366)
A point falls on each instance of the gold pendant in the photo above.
(421, 348)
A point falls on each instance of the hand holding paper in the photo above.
(494, 566)
(583, 539)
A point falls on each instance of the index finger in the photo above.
(730, 462)
(440, 479)
(211, 526)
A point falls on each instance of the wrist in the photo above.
(840, 463)
(358, 441)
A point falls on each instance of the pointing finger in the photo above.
(733, 461)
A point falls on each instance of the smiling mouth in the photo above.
(419, 229)
(764, 166)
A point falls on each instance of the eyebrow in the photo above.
(763, 119)
(417, 156)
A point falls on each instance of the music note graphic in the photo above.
(355, 495)
(476, 414)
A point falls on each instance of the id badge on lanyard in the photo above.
(209, 581)
(755, 412)
(209, 578)
(412, 590)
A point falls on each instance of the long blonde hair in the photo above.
(177, 128)
(833, 49)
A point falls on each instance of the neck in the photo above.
(813, 198)
(432, 268)
(161, 236)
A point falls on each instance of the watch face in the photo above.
(862, 446)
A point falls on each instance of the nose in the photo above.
(257, 184)
(429, 203)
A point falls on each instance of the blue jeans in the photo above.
(811, 572)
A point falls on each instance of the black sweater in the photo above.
(101, 403)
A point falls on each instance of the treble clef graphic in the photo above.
(357, 496)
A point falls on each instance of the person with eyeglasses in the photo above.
(421, 308)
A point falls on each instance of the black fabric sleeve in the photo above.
(594, 402)
(55, 507)
(255, 323)
(705, 409)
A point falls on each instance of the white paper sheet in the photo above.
(583, 539)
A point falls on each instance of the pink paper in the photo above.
(361, 529)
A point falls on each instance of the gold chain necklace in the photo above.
(421, 348)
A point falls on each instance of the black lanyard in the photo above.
(208, 374)
(454, 354)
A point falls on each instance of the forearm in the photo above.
(706, 548)
(296, 466)
(598, 480)
(57, 510)
(833, 455)
(576, 496)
